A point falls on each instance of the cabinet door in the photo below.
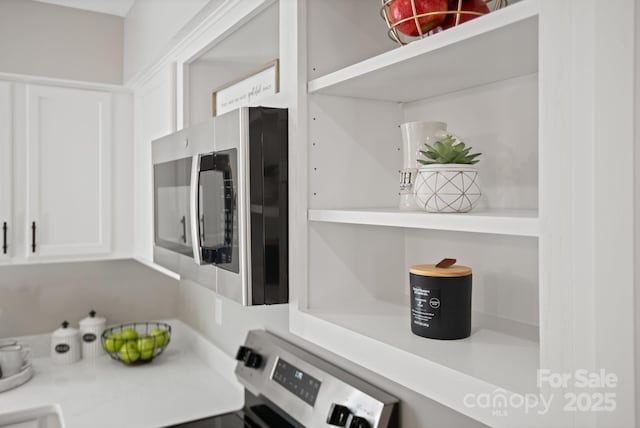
(68, 172)
(6, 176)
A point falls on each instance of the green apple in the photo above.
(113, 343)
(160, 336)
(129, 352)
(129, 334)
(146, 346)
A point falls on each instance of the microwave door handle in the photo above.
(193, 209)
(183, 222)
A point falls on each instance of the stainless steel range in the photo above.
(287, 387)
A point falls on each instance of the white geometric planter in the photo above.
(447, 188)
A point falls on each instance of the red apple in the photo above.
(467, 5)
(402, 9)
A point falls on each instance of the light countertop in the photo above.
(192, 379)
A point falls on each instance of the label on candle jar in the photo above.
(426, 306)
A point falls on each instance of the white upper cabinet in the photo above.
(6, 154)
(55, 173)
(68, 165)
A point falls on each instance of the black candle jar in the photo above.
(440, 301)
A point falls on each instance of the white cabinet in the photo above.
(6, 155)
(68, 166)
(55, 172)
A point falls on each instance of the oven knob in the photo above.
(338, 415)
(253, 360)
(242, 353)
(357, 422)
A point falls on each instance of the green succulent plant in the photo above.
(448, 150)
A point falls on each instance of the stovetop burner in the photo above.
(228, 420)
(287, 387)
(257, 413)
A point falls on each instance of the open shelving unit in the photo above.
(356, 301)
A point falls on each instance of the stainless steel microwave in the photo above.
(221, 204)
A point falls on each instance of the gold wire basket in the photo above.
(416, 25)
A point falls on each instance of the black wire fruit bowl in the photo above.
(136, 343)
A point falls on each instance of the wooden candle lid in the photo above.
(433, 270)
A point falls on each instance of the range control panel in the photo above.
(296, 381)
(312, 391)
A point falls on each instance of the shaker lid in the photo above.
(445, 269)
(92, 320)
(65, 331)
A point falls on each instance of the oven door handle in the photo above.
(194, 209)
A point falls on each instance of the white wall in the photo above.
(149, 27)
(46, 40)
(35, 299)
(204, 78)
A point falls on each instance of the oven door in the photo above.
(214, 209)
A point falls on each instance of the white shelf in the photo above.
(499, 355)
(500, 222)
(497, 46)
